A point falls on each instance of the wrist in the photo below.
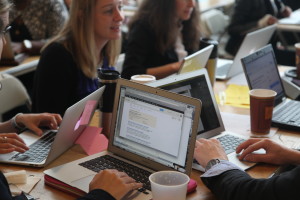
(212, 163)
(16, 123)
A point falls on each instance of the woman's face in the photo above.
(108, 20)
(184, 9)
(4, 18)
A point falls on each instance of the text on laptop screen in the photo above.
(154, 127)
(262, 72)
(197, 87)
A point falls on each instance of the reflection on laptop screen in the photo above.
(262, 72)
(197, 87)
(154, 127)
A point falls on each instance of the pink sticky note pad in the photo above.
(86, 114)
(92, 141)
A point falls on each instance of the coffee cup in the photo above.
(143, 78)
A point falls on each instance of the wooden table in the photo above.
(44, 192)
(28, 65)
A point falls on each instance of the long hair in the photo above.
(5, 6)
(159, 14)
(78, 37)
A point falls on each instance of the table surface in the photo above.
(28, 65)
(229, 115)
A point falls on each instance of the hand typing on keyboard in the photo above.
(116, 183)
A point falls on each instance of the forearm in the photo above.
(163, 71)
(6, 127)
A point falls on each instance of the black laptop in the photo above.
(262, 72)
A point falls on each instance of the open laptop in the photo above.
(261, 72)
(55, 141)
(293, 19)
(196, 60)
(252, 41)
(8, 56)
(197, 84)
(152, 130)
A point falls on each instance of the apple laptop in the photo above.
(53, 142)
(293, 19)
(252, 41)
(152, 130)
(197, 84)
(8, 56)
(196, 61)
(261, 72)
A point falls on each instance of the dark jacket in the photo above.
(238, 185)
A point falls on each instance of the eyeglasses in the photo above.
(5, 31)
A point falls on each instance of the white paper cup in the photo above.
(169, 185)
(143, 78)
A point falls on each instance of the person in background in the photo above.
(67, 69)
(68, 3)
(249, 16)
(161, 34)
(294, 5)
(229, 182)
(33, 22)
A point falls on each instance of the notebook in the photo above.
(8, 56)
(197, 84)
(196, 60)
(152, 130)
(252, 41)
(62, 140)
(261, 72)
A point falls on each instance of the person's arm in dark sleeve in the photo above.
(96, 195)
(237, 185)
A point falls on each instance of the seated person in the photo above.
(67, 69)
(252, 15)
(228, 182)
(294, 5)
(161, 34)
(35, 21)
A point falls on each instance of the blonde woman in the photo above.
(67, 70)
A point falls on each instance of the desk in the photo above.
(28, 65)
(44, 192)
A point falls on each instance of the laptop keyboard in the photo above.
(223, 70)
(109, 162)
(288, 114)
(38, 151)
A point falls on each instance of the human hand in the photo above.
(287, 11)
(267, 20)
(34, 121)
(17, 47)
(205, 150)
(116, 183)
(275, 153)
(10, 142)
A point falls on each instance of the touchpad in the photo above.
(83, 183)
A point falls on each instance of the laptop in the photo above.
(293, 19)
(140, 139)
(196, 60)
(197, 84)
(261, 72)
(55, 141)
(252, 41)
(8, 56)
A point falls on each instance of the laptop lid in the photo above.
(196, 60)
(253, 41)
(66, 134)
(153, 127)
(197, 84)
(261, 72)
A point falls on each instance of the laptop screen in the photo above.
(262, 73)
(154, 127)
(197, 87)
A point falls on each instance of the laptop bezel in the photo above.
(257, 54)
(141, 160)
(186, 77)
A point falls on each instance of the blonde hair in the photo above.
(78, 37)
(5, 6)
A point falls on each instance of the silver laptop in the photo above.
(153, 130)
(262, 72)
(197, 84)
(252, 41)
(196, 61)
(293, 19)
(8, 56)
(54, 142)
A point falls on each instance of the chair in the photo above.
(12, 94)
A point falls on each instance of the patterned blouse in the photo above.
(42, 18)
